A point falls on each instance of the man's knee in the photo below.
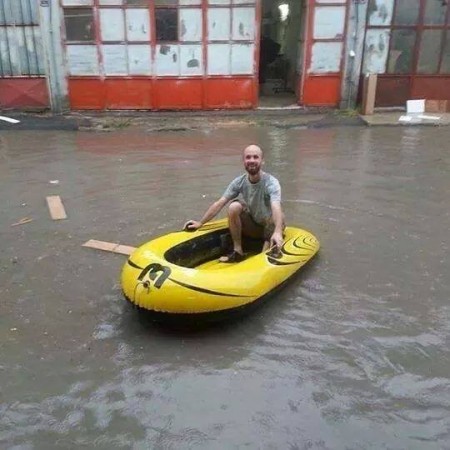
(235, 209)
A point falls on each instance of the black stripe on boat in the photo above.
(206, 291)
(309, 246)
(286, 252)
(277, 262)
(132, 264)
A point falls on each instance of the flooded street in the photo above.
(354, 353)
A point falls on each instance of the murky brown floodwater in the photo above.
(353, 354)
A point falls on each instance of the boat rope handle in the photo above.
(274, 252)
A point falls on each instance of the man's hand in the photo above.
(276, 240)
(192, 225)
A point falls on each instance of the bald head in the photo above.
(253, 160)
(253, 149)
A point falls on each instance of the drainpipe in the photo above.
(50, 23)
(355, 50)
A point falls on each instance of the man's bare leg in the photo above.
(234, 223)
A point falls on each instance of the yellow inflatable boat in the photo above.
(180, 273)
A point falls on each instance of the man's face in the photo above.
(253, 161)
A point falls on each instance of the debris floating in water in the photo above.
(56, 208)
(9, 119)
(22, 221)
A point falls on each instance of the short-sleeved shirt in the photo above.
(257, 196)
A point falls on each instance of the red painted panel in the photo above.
(128, 93)
(392, 90)
(437, 87)
(140, 93)
(24, 93)
(178, 94)
(322, 90)
(230, 93)
(86, 93)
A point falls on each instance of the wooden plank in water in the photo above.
(56, 208)
(109, 247)
(124, 249)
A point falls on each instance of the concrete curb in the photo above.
(33, 122)
(181, 121)
(178, 121)
(392, 119)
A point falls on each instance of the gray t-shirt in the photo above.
(257, 196)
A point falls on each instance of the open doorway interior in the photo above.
(280, 55)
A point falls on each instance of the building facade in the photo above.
(220, 54)
(23, 81)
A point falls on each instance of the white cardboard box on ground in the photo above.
(415, 106)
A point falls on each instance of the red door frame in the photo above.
(321, 89)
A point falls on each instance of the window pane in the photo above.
(136, 2)
(400, 56)
(79, 24)
(376, 50)
(326, 57)
(435, 11)
(115, 59)
(166, 24)
(166, 2)
(137, 24)
(430, 47)
(112, 27)
(83, 60)
(75, 2)
(406, 12)
(219, 24)
(380, 12)
(445, 67)
(191, 24)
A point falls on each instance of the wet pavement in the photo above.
(401, 118)
(352, 354)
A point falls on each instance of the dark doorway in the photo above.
(279, 64)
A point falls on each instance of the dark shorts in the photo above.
(253, 229)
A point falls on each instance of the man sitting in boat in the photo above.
(255, 209)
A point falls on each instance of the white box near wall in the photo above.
(415, 106)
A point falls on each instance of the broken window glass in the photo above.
(136, 2)
(435, 11)
(166, 2)
(406, 12)
(445, 67)
(79, 24)
(166, 24)
(401, 53)
(429, 53)
(380, 12)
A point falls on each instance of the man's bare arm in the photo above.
(278, 220)
(210, 213)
